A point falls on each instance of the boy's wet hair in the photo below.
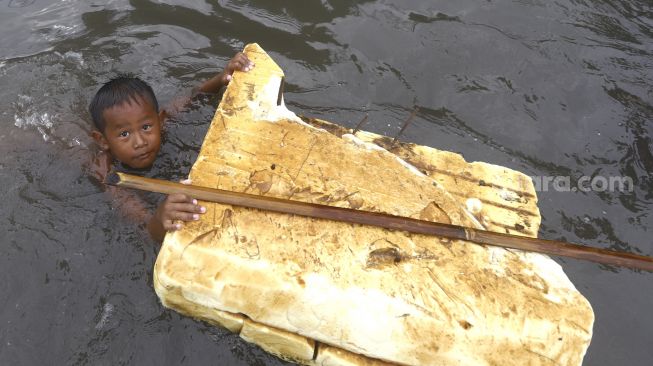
(122, 89)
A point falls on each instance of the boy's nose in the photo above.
(139, 141)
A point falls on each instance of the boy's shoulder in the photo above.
(99, 166)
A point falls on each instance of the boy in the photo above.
(128, 127)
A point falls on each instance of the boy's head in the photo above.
(127, 121)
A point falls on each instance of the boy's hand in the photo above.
(240, 62)
(175, 207)
(178, 207)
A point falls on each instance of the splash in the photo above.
(107, 312)
(26, 118)
(73, 57)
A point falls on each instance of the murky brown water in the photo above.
(549, 88)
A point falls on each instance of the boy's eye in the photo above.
(147, 127)
(124, 134)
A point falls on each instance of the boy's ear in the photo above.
(162, 118)
(100, 140)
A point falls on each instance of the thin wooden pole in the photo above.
(405, 124)
(553, 247)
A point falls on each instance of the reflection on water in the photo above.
(551, 89)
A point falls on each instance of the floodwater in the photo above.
(551, 88)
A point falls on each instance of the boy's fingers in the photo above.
(180, 198)
(185, 181)
(242, 64)
(170, 225)
(187, 207)
(246, 62)
(239, 62)
(185, 216)
(241, 57)
(245, 59)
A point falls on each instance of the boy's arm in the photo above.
(129, 204)
(175, 207)
(239, 62)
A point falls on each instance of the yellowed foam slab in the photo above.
(333, 356)
(374, 293)
(278, 342)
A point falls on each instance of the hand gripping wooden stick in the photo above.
(552, 247)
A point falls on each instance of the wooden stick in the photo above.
(360, 124)
(553, 247)
(404, 125)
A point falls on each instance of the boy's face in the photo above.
(132, 133)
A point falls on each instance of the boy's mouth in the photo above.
(143, 156)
